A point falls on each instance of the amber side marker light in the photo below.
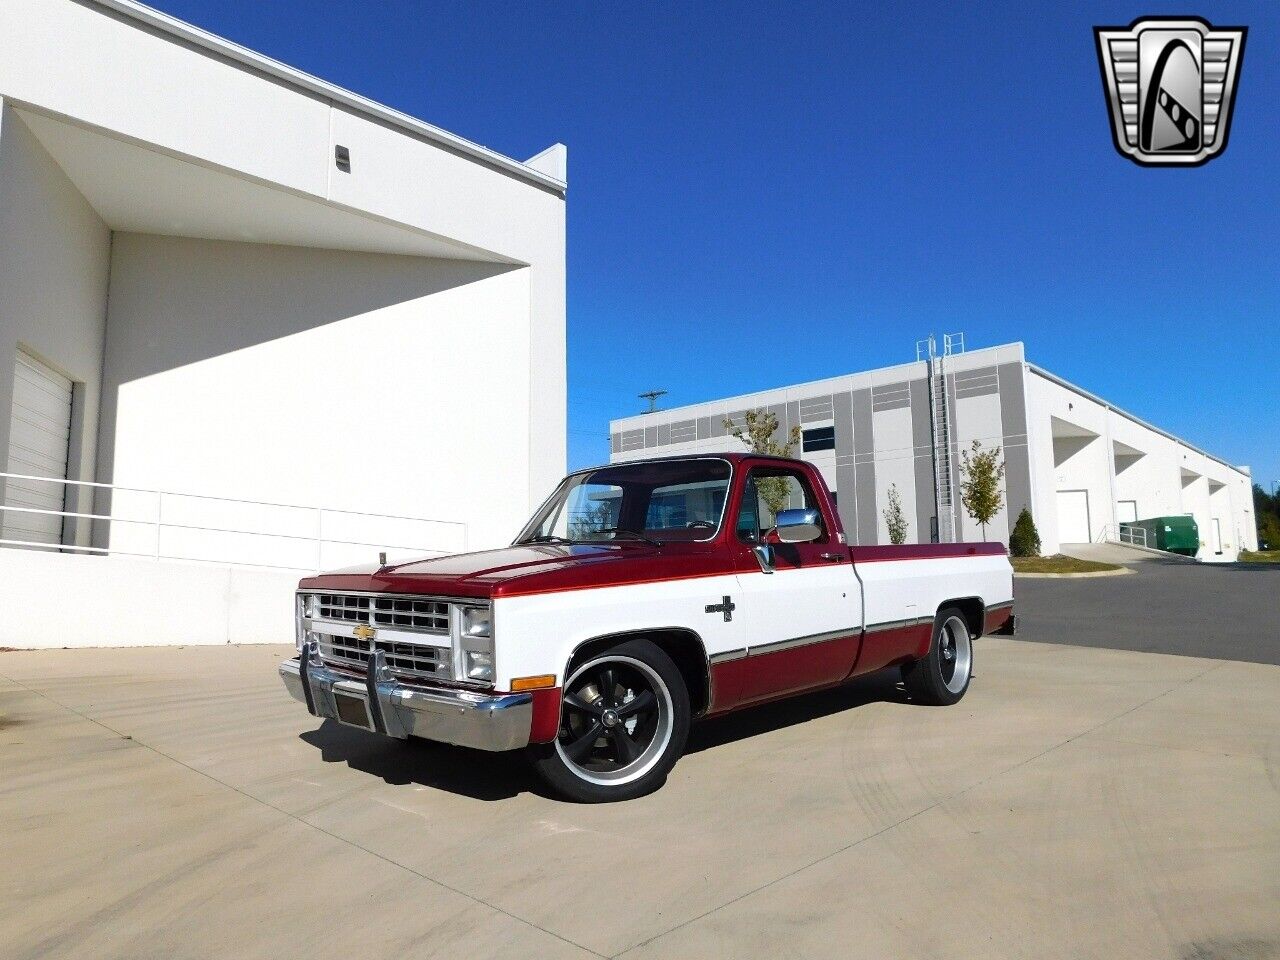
(541, 682)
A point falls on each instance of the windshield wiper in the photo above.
(545, 538)
(629, 533)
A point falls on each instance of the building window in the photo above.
(819, 438)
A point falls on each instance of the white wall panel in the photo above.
(123, 602)
(362, 382)
(978, 418)
(895, 464)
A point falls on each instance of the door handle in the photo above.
(831, 556)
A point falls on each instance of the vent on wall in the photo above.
(342, 157)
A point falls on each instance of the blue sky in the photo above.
(762, 194)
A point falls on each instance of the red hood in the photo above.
(495, 572)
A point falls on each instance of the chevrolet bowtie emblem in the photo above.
(725, 606)
(364, 632)
(1170, 83)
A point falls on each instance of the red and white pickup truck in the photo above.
(641, 596)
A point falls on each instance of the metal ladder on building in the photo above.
(940, 429)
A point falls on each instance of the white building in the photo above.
(1082, 465)
(281, 325)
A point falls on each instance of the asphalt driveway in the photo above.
(174, 803)
(1225, 611)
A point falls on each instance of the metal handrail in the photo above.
(209, 496)
(159, 525)
(1126, 533)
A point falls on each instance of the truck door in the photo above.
(804, 617)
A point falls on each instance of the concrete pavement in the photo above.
(1078, 803)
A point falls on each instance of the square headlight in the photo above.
(479, 665)
(477, 622)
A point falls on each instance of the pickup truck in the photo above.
(640, 597)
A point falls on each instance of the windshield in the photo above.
(676, 500)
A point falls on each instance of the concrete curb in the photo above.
(1066, 576)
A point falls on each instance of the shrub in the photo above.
(1025, 539)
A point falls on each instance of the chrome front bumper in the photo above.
(380, 704)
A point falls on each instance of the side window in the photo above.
(769, 491)
(819, 438)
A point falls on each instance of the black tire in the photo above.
(942, 677)
(624, 721)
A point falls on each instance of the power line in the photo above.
(652, 396)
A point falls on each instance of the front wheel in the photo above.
(942, 676)
(624, 720)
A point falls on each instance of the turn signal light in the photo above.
(540, 682)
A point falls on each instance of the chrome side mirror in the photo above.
(799, 526)
(764, 557)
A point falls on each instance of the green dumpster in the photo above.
(1176, 534)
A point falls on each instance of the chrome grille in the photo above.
(406, 613)
(401, 617)
(405, 658)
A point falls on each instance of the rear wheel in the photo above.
(942, 676)
(624, 720)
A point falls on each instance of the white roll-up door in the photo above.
(39, 434)
(1073, 516)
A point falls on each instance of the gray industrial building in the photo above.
(1080, 464)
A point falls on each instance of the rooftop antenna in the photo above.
(652, 396)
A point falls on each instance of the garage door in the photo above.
(1073, 516)
(38, 437)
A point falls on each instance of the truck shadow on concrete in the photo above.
(501, 776)
(884, 686)
(470, 773)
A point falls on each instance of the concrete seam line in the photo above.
(304, 822)
(908, 819)
(1167, 746)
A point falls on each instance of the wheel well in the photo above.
(972, 609)
(684, 647)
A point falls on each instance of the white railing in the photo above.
(168, 525)
(1125, 533)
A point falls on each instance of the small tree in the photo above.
(1024, 541)
(758, 431)
(894, 518)
(981, 471)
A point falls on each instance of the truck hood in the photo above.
(490, 573)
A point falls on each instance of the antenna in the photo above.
(652, 396)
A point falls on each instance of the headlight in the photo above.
(477, 622)
(304, 609)
(479, 665)
(477, 644)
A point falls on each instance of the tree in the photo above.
(981, 472)
(761, 427)
(1024, 541)
(894, 518)
(1266, 511)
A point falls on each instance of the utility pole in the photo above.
(652, 396)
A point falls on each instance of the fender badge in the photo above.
(726, 606)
